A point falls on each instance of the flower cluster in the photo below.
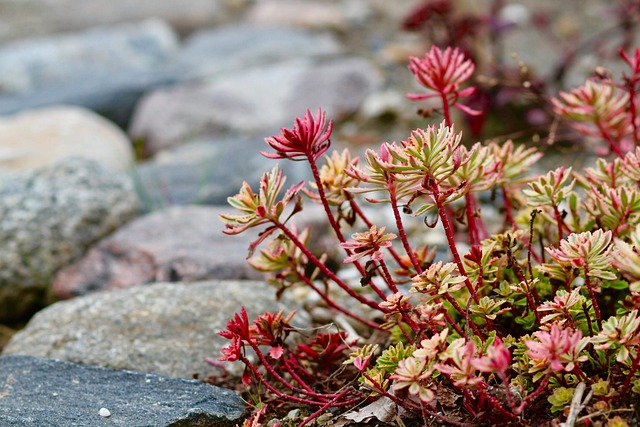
(526, 312)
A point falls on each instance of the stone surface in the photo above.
(253, 101)
(208, 171)
(302, 13)
(179, 244)
(104, 69)
(42, 137)
(29, 18)
(49, 218)
(34, 64)
(54, 393)
(167, 329)
(230, 48)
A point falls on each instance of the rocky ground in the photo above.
(125, 126)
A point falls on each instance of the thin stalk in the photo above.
(612, 144)
(327, 209)
(369, 224)
(495, 404)
(559, 222)
(305, 390)
(334, 305)
(323, 198)
(322, 409)
(401, 231)
(632, 371)
(274, 390)
(387, 277)
(330, 274)
(407, 404)
(592, 295)
(448, 230)
(446, 111)
(531, 397)
(472, 227)
(507, 208)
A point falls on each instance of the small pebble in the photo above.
(104, 412)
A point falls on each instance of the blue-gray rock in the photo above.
(236, 47)
(105, 69)
(23, 19)
(163, 328)
(52, 393)
(49, 218)
(208, 171)
(254, 100)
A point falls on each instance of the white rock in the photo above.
(42, 137)
(104, 412)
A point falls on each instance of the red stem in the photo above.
(276, 391)
(400, 226)
(632, 371)
(507, 208)
(445, 109)
(330, 274)
(592, 295)
(334, 305)
(369, 224)
(612, 144)
(323, 408)
(448, 230)
(541, 388)
(472, 228)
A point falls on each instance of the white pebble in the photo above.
(104, 412)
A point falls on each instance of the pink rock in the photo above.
(183, 244)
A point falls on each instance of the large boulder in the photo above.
(22, 19)
(54, 393)
(105, 69)
(49, 219)
(179, 244)
(253, 101)
(235, 47)
(207, 171)
(42, 137)
(167, 329)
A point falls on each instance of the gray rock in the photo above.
(253, 101)
(29, 18)
(236, 47)
(208, 171)
(105, 69)
(54, 393)
(179, 244)
(167, 329)
(31, 65)
(49, 218)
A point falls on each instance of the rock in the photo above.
(241, 46)
(54, 393)
(208, 171)
(167, 329)
(42, 137)
(254, 101)
(299, 13)
(104, 69)
(31, 18)
(33, 64)
(179, 244)
(49, 218)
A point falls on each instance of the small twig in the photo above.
(577, 404)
